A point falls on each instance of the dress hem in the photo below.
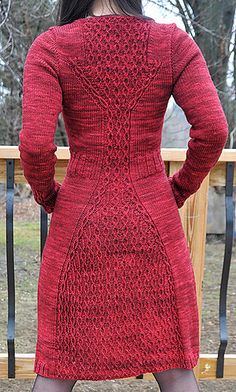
(40, 368)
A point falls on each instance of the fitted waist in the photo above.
(89, 165)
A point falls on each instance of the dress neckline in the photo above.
(99, 16)
(113, 15)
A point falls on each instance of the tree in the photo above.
(21, 22)
(211, 24)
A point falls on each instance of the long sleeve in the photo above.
(194, 91)
(41, 105)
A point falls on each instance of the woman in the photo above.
(116, 290)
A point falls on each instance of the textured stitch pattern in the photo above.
(116, 294)
(114, 213)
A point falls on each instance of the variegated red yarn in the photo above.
(116, 293)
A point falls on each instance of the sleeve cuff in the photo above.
(178, 198)
(48, 202)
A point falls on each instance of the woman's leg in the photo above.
(177, 380)
(45, 384)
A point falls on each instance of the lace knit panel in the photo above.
(116, 256)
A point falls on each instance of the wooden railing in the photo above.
(194, 218)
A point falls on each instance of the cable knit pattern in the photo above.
(116, 291)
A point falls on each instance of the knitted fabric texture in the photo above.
(116, 290)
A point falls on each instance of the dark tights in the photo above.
(45, 384)
(172, 380)
(177, 380)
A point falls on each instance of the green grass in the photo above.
(26, 235)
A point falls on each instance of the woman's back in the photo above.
(117, 294)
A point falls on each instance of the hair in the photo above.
(70, 10)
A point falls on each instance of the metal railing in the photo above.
(222, 174)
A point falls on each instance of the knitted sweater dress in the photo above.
(116, 289)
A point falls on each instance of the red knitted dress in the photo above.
(116, 290)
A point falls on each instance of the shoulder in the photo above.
(166, 36)
(170, 31)
(49, 36)
(173, 31)
(166, 28)
(43, 42)
(42, 49)
(180, 38)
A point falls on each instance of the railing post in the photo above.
(43, 229)
(229, 233)
(10, 266)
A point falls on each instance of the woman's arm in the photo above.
(41, 105)
(194, 91)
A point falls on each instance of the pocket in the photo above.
(71, 170)
(171, 188)
(79, 165)
(160, 165)
(58, 196)
(147, 165)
